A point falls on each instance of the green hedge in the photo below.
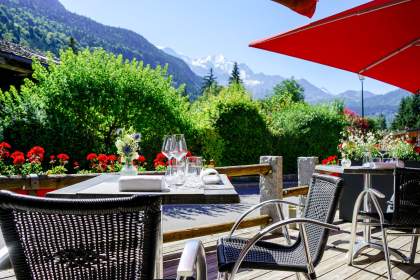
(76, 106)
(87, 97)
(238, 122)
(305, 130)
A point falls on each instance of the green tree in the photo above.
(209, 81)
(88, 96)
(291, 88)
(235, 76)
(408, 115)
(284, 94)
(73, 45)
(378, 122)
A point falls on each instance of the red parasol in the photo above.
(379, 39)
(303, 7)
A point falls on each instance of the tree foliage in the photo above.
(89, 95)
(235, 76)
(209, 81)
(408, 115)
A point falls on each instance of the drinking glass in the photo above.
(167, 146)
(175, 176)
(179, 147)
(194, 166)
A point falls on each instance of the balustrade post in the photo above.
(271, 185)
(306, 167)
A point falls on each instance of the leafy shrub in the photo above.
(89, 95)
(233, 126)
(305, 130)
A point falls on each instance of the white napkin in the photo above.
(210, 176)
(145, 183)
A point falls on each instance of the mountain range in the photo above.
(261, 85)
(46, 25)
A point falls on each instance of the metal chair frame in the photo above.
(374, 195)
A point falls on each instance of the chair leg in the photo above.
(356, 209)
(310, 276)
(414, 242)
(297, 276)
(386, 252)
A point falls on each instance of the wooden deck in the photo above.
(369, 266)
(333, 265)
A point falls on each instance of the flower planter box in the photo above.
(40, 185)
(353, 186)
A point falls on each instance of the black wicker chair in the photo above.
(402, 215)
(113, 238)
(300, 257)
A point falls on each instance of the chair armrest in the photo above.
(4, 256)
(253, 208)
(193, 259)
(271, 228)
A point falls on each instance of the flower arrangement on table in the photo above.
(356, 144)
(128, 144)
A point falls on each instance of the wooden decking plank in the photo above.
(400, 270)
(376, 264)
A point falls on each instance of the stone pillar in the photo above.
(271, 185)
(306, 167)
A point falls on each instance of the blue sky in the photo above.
(199, 28)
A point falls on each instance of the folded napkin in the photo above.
(384, 165)
(144, 183)
(210, 176)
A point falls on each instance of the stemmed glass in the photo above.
(382, 151)
(167, 146)
(179, 147)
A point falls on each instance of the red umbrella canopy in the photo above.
(379, 39)
(303, 7)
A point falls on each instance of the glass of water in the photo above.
(175, 176)
(193, 170)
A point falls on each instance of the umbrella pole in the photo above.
(362, 78)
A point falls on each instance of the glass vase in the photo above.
(367, 159)
(128, 169)
(345, 162)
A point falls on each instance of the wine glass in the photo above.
(167, 146)
(179, 147)
(382, 151)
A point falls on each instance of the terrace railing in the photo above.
(269, 169)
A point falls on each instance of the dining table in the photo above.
(107, 186)
(367, 172)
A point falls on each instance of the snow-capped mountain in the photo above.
(258, 83)
(261, 85)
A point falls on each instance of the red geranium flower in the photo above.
(4, 150)
(102, 158)
(36, 154)
(5, 145)
(417, 150)
(52, 157)
(112, 158)
(91, 156)
(141, 159)
(64, 158)
(18, 157)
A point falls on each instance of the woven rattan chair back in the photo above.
(406, 203)
(80, 239)
(321, 205)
